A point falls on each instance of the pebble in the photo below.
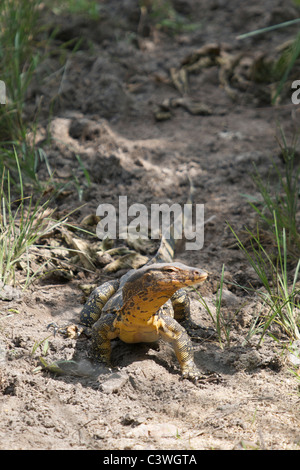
(294, 353)
(154, 430)
(230, 299)
(114, 383)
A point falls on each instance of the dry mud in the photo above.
(106, 99)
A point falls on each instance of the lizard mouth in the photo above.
(192, 277)
(198, 276)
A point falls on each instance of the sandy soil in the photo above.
(106, 100)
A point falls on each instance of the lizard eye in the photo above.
(148, 277)
(170, 270)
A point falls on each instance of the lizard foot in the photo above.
(191, 372)
(194, 375)
(210, 377)
(71, 331)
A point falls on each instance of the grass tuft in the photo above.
(280, 290)
(281, 198)
(18, 60)
(221, 324)
(22, 224)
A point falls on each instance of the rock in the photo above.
(9, 293)
(114, 383)
(132, 420)
(154, 430)
(230, 299)
(103, 258)
(294, 353)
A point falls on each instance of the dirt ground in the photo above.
(139, 136)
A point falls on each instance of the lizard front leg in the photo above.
(172, 332)
(182, 313)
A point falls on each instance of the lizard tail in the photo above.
(166, 250)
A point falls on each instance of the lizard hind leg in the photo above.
(103, 332)
(92, 309)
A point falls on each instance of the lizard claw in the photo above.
(210, 377)
(71, 331)
(191, 373)
(55, 327)
(195, 376)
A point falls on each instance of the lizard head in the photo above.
(160, 281)
(173, 275)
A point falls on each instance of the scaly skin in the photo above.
(147, 304)
(132, 311)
